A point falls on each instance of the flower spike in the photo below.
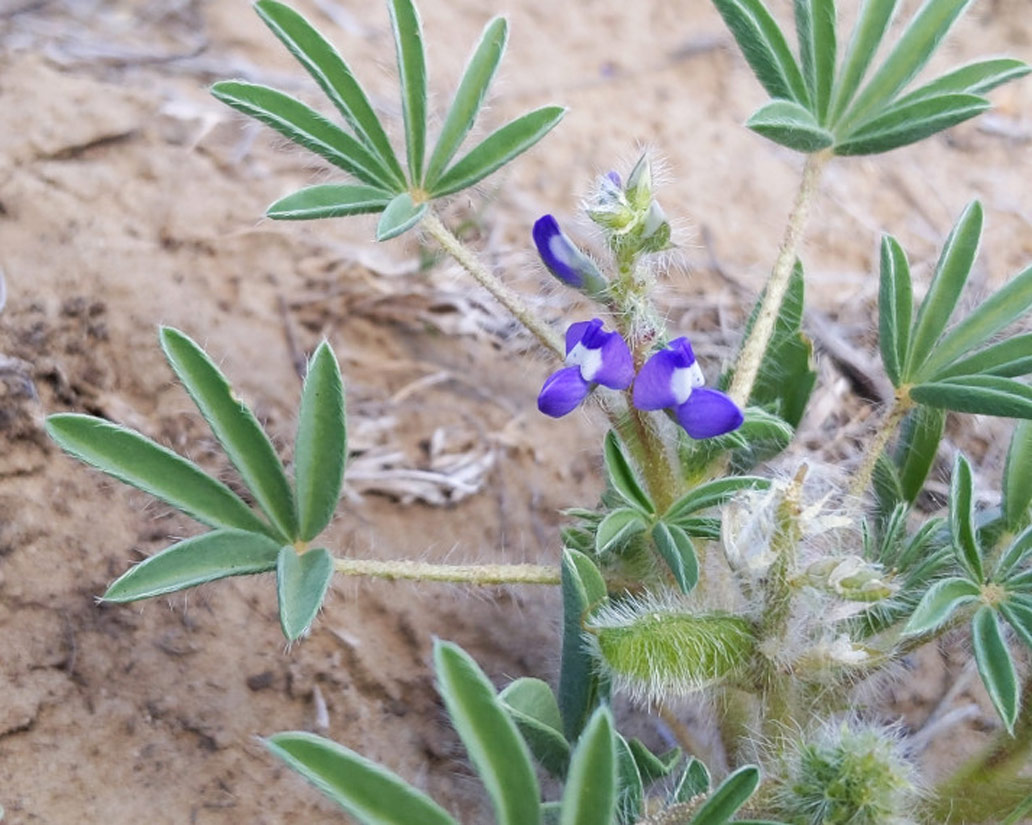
(564, 259)
(672, 379)
(593, 356)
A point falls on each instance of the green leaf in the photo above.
(694, 781)
(492, 741)
(1019, 617)
(732, 794)
(979, 394)
(583, 589)
(918, 445)
(334, 77)
(235, 427)
(895, 308)
(816, 27)
(765, 49)
(305, 127)
(712, 494)
(962, 519)
(367, 791)
(533, 707)
(939, 603)
(908, 123)
(321, 447)
(995, 665)
(630, 788)
(622, 476)
(1016, 817)
(1010, 358)
(470, 96)
(678, 552)
(617, 528)
(590, 794)
(497, 149)
(792, 125)
(408, 42)
(650, 766)
(1017, 477)
(1018, 552)
(705, 527)
(951, 273)
(975, 79)
(997, 312)
(197, 560)
(329, 200)
(148, 466)
(301, 583)
(913, 49)
(872, 22)
(401, 214)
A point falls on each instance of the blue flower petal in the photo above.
(617, 370)
(558, 252)
(682, 348)
(708, 413)
(653, 388)
(576, 333)
(562, 392)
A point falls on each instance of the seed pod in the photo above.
(653, 651)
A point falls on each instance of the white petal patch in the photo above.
(696, 374)
(559, 248)
(589, 361)
(681, 383)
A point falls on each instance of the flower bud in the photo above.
(639, 184)
(850, 578)
(564, 260)
(653, 650)
(655, 230)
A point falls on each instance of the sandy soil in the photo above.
(129, 198)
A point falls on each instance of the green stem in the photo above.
(487, 279)
(988, 787)
(480, 574)
(747, 368)
(886, 429)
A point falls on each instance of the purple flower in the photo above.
(671, 379)
(593, 356)
(564, 259)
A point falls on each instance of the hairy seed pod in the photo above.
(653, 651)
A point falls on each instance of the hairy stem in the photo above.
(747, 367)
(480, 574)
(487, 279)
(886, 429)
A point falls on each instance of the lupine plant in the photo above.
(713, 565)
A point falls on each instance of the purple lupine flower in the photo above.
(671, 379)
(564, 259)
(593, 356)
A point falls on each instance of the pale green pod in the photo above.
(655, 651)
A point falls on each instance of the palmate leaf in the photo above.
(480, 71)
(951, 273)
(533, 707)
(583, 589)
(895, 308)
(329, 200)
(976, 78)
(618, 528)
(652, 767)
(1010, 358)
(1017, 477)
(408, 43)
(148, 466)
(334, 77)
(765, 49)
(235, 428)
(917, 448)
(367, 791)
(712, 494)
(492, 741)
(816, 29)
(792, 125)
(630, 787)
(589, 797)
(911, 52)
(1019, 617)
(962, 520)
(194, 561)
(871, 25)
(321, 446)
(306, 127)
(939, 604)
(400, 215)
(1014, 557)
(676, 548)
(906, 123)
(979, 394)
(497, 149)
(301, 584)
(622, 476)
(995, 665)
(732, 794)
